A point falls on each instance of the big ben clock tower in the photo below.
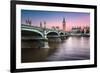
(64, 24)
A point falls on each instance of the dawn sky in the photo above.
(53, 18)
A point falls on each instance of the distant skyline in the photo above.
(53, 18)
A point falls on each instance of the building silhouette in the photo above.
(64, 24)
(76, 29)
(45, 24)
(40, 24)
(28, 21)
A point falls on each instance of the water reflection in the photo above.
(73, 48)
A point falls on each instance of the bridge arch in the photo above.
(52, 34)
(61, 33)
(30, 31)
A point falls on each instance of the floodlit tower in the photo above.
(28, 22)
(40, 24)
(64, 24)
(44, 24)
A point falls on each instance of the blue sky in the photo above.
(54, 18)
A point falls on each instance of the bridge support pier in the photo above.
(57, 40)
(46, 44)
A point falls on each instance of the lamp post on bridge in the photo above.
(45, 37)
(45, 30)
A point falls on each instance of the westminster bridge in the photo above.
(33, 33)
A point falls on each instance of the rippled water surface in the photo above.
(72, 48)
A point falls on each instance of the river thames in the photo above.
(72, 48)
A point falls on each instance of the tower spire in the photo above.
(41, 24)
(64, 24)
(44, 24)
